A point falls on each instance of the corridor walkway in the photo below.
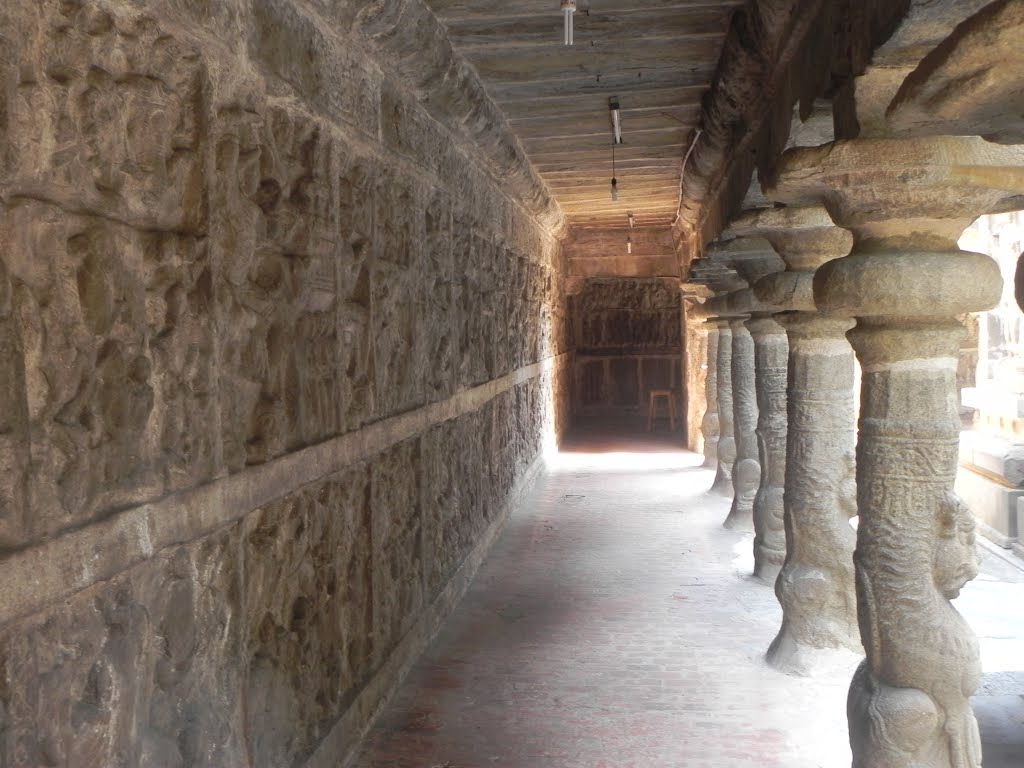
(614, 626)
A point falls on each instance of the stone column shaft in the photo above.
(816, 585)
(915, 549)
(726, 436)
(770, 364)
(746, 473)
(709, 424)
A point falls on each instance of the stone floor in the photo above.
(614, 625)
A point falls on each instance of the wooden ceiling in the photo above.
(657, 56)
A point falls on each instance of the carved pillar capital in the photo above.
(904, 195)
(805, 238)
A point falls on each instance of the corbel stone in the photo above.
(971, 84)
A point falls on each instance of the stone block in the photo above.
(15, 456)
(993, 504)
(409, 131)
(994, 455)
(1020, 520)
(473, 252)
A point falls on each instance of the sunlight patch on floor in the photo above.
(623, 461)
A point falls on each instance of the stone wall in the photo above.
(279, 349)
(590, 253)
(627, 341)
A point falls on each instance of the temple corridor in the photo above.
(301, 302)
(615, 624)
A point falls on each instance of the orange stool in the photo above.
(656, 396)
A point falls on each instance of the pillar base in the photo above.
(746, 476)
(833, 646)
(906, 728)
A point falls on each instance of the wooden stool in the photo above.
(653, 398)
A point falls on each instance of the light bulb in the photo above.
(613, 107)
(615, 190)
(568, 8)
(629, 245)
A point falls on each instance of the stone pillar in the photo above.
(915, 550)
(907, 202)
(709, 424)
(816, 585)
(770, 363)
(746, 473)
(726, 436)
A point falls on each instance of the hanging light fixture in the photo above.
(629, 236)
(568, 8)
(631, 219)
(613, 108)
(615, 182)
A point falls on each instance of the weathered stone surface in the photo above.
(105, 114)
(746, 472)
(926, 24)
(751, 257)
(970, 84)
(594, 252)
(723, 483)
(804, 237)
(777, 54)
(628, 340)
(901, 195)
(915, 550)
(770, 366)
(710, 423)
(309, 621)
(398, 548)
(144, 670)
(116, 360)
(816, 585)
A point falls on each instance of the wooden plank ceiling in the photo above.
(656, 56)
